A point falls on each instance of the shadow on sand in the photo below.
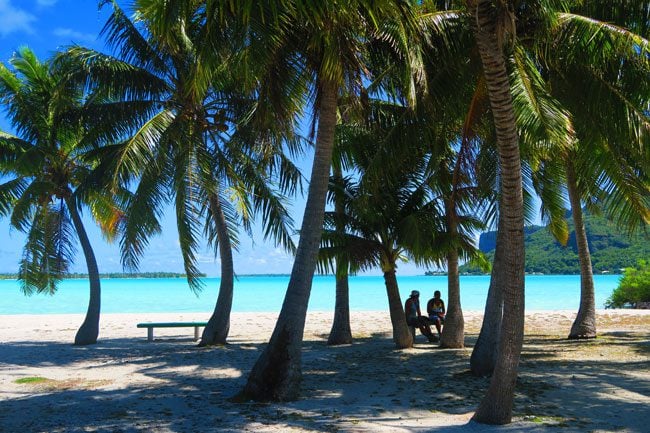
(173, 386)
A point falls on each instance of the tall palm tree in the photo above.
(184, 146)
(322, 45)
(492, 31)
(456, 21)
(455, 81)
(599, 79)
(577, 35)
(49, 172)
(580, 60)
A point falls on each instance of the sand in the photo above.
(125, 384)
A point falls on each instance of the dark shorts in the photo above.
(418, 321)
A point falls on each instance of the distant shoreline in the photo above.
(170, 275)
(116, 275)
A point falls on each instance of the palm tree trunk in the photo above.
(496, 406)
(401, 334)
(341, 332)
(89, 329)
(218, 326)
(453, 332)
(277, 373)
(584, 325)
(484, 354)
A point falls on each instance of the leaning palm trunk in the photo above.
(453, 332)
(584, 325)
(496, 406)
(89, 329)
(484, 354)
(277, 373)
(340, 332)
(401, 334)
(218, 326)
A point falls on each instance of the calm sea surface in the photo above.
(257, 294)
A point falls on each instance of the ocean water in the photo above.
(265, 294)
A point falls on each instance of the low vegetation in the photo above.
(634, 287)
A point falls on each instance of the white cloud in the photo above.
(46, 2)
(205, 258)
(280, 253)
(73, 34)
(13, 19)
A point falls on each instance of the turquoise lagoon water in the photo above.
(265, 294)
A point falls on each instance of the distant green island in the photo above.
(611, 249)
(74, 276)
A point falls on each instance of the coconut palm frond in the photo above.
(122, 35)
(49, 250)
(543, 123)
(138, 150)
(10, 192)
(549, 181)
(230, 216)
(144, 211)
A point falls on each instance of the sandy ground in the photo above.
(124, 384)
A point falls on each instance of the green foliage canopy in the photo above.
(633, 288)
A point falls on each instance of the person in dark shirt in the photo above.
(415, 318)
(436, 311)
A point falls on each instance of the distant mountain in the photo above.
(611, 250)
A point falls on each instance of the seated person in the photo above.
(436, 311)
(415, 318)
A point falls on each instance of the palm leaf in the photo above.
(48, 251)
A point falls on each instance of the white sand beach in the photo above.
(125, 384)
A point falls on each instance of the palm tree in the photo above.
(320, 45)
(388, 217)
(341, 332)
(578, 77)
(49, 172)
(461, 197)
(183, 145)
(542, 112)
(577, 35)
(598, 79)
(491, 32)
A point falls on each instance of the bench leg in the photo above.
(149, 334)
(196, 333)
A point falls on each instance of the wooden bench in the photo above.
(151, 326)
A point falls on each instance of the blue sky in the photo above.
(49, 25)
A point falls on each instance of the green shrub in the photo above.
(633, 288)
